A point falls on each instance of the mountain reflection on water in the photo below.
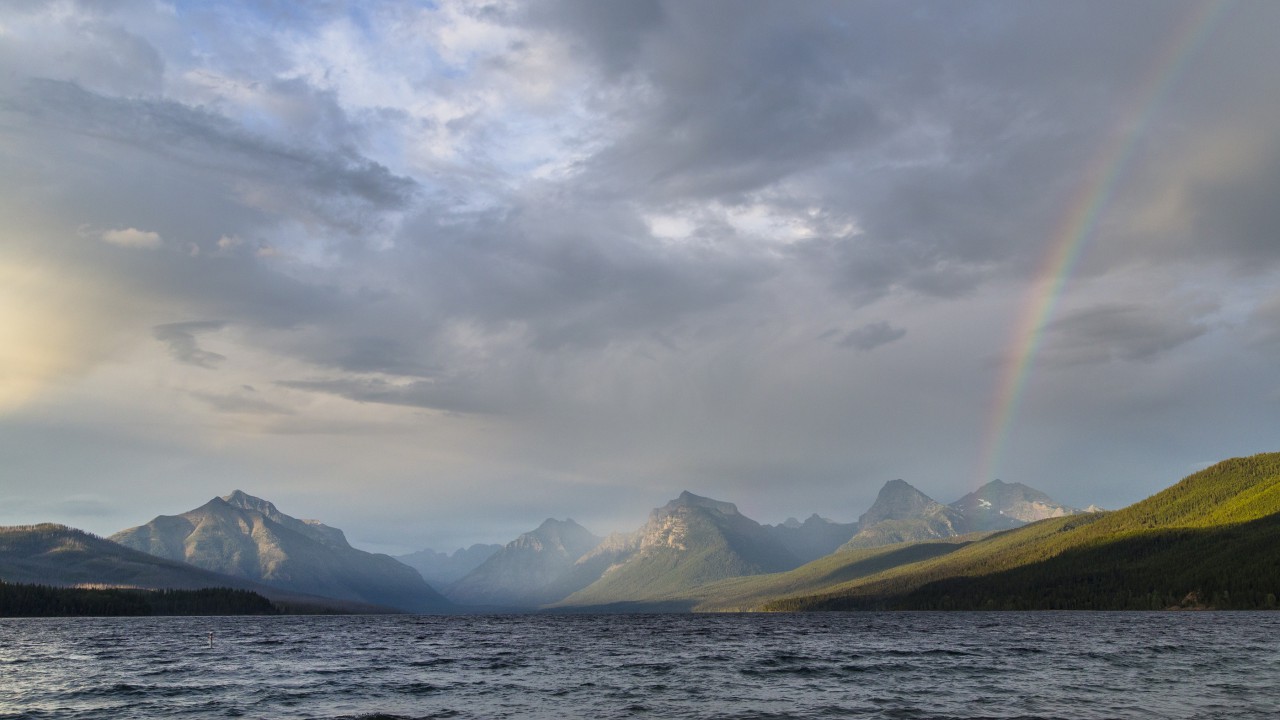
(865, 665)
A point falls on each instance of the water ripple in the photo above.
(961, 666)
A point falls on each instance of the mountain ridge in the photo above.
(814, 538)
(248, 537)
(689, 541)
(535, 568)
(902, 513)
(441, 570)
(62, 556)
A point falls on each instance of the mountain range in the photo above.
(1207, 541)
(694, 540)
(243, 541)
(813, 538)
(443, 569)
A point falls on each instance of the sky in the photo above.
(433, 272)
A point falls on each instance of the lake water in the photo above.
(860, 665)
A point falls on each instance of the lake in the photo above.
(859, 665)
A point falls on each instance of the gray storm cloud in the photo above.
(872, 336)
(183, 346)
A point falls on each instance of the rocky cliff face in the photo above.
(693, 523)
(534, 569)
(248, 537)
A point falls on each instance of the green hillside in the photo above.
(748, 593)
(935, 522)
(1210, 540)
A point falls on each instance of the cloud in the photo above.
(448, 395)
(181, 339)
(82, 506)
(1118, 332)
(240, 404)
(1264, 323)
(63, 42)
(566, 272)
(871, 336)
(608, 234)
(334, 187)
(132, 238)
(727, 115)
(1235, 214)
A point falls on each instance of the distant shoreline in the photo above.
(31, 600)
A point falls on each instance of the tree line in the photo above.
(25, 600)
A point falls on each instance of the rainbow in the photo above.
(1074, 230)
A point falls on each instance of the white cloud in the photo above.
(132, 238)
(672, 227)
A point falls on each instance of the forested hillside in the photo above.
(1212, 540)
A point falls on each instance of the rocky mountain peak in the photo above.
(563, 537)
(689, 500)
(1014, 502)
(314, 529)
(552, 525)
(537, 567)
(245, 501)
(897, 500)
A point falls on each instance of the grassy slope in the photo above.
(1210, 533)
(685, 592)
(749, 593)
